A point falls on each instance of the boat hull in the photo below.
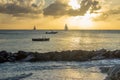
(41, 39)
(51, 32)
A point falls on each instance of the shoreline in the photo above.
(74, 55)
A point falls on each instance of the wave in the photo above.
(19, 77)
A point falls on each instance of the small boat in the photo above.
(52, 32)
(40, 39)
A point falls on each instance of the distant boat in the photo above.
(34, 28)
(66, 27)
(51, 32)
(40, 39)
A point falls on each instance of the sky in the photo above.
(54, 14)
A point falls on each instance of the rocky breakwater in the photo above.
(74, 55)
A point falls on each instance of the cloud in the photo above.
(111, 13)
(58, 8)
(4, 19)
(22, 8)
(19, 7)
(114, 11)
(118, 19)
(95, 6)
(101, 17)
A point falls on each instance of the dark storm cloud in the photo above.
(58, 8)
(19, 7)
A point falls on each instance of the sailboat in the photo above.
(34, 28)
(66, 27)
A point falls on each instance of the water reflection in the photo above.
(57, 70)
(81, 74)
(64, 40)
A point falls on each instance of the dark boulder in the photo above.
(2, 59)
(114, 73)
(74, 55)
(20, 55)
(105, 69)
(3, 56)
(116, 53)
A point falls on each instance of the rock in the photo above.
(21, 55)
(75, 55)
(3, 56)
(101, 51)
(116, 53)
(99, 54)
(107, 54)
(29, 58)
(114, 73)
(11, 59)
(2, 59)
(98, 57)
(105, 69)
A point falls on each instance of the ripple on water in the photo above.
(56, 70)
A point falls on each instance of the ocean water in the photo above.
(16, 40)
(55, 70)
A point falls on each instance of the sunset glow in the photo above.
(83, 22)
(54, 14)
(74, 4)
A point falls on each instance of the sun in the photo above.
(74, 4)
(81, 22)
(86, 21)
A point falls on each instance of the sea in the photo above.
(16, 40)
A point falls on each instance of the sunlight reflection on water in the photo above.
(57, 70)
(63, 40)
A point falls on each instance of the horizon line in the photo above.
(58, 29)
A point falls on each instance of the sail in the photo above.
(66, 27)
(34, 28)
